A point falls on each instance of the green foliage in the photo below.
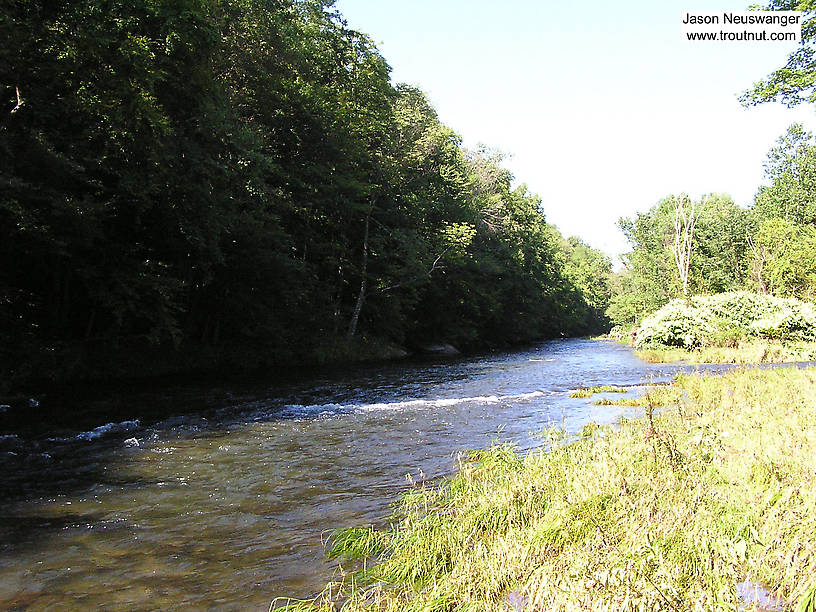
(791, 170)
(675, 324)
(725, 319)
(237, 182)
(807, 603)
(620, 333)
(656, 396)
(769, 248)
(783, 259)
(590, 391)
(720, 244)
(590, 272)
(794, 83)
(650, 277)
(357, 543)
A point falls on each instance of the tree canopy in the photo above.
(795, 82)
(239, 184)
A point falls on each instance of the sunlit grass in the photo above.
(656, 396)
(590, 391)
(666, 512)
(758, 351)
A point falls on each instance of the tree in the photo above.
(661, 263)
(239, 183)
(783, 259)
(721, 240)
(648, 268)
(686, 214)
(791, 170)
(794, 83)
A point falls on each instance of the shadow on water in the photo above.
(198, 496)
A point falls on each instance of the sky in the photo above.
(602, 109)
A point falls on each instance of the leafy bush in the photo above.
(727, 318)
(796, 323)
(676, 324)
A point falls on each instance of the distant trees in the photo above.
(679, 248)
(791, 172)
(783, 259)
(770, 247)
(783, 245)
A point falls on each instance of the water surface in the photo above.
(201, 497)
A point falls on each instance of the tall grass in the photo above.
(667, 512)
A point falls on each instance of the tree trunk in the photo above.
(686, 214)
(358, 306)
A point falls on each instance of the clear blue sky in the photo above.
(603, 108)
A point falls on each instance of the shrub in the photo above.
(726, 319)
(676, 324)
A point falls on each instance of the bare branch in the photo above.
(20, 101)
(434, 266)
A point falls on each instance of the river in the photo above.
(204, 497)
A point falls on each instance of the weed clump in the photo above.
(656, 396)
(590, 391)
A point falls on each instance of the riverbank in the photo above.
(745, 353)
(83, 367)
(682, 510)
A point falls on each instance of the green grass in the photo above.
(656, 396)
(758, 351)
(590, 391)
(666, 512)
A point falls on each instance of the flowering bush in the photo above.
(676, 324)
(725, 318)
(792, 324)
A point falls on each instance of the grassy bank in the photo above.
(758, 351)
(668, 512)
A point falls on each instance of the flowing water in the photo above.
(219, 498)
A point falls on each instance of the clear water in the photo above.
(224, 502)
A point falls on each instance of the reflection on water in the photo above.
(219, 498)
(755, 597)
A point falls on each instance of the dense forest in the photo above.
(189, 185)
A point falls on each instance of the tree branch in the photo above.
(434, 266)
(20, 101)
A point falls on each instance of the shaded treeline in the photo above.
(194, 184)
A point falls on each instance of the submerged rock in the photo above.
(440, 349)
(131, 442)
(394, 352)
